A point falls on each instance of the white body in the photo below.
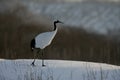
(42, 40)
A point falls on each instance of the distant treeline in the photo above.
(70, 43)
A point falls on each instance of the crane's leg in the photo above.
(43, 58)
(33, 63)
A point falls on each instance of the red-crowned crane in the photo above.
(42, 40)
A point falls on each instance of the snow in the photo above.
(57, 70)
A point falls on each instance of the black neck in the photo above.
(55, 26)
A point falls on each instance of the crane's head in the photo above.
(58, 21)
(55, 22)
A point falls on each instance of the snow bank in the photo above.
(57, 70)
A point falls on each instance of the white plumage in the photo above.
(44, 39)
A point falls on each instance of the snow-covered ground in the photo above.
(57, 70)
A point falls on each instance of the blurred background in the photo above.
(91, 30)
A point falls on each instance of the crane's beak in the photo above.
(61, 22)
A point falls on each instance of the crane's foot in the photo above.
(43, 65)
(33, 63)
